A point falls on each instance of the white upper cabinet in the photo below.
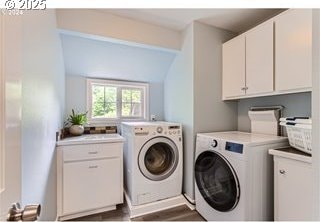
(259, 59)
(233, 79)
(293, 50)
(271, 59)
(248, 63)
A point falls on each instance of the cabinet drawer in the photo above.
(91, 184)
(92, 151)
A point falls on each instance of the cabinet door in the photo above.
(293, 186)
(91, 184)
(293, 50)
(233, 78)
(259, 59)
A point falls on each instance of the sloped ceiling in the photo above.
(102, 59)
(235, 20)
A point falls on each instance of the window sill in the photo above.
(104, 122)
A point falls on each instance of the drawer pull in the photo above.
(282, 172)
(93, 167)
(93, 152)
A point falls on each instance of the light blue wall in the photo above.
(298, 104)
(42, 109)
(178, 90)
(100, 59)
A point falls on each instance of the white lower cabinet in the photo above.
(293, 189)
(90, 179)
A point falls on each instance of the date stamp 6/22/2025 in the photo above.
(16, 7)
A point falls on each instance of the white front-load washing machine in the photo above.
(153, 156)
(234, 176)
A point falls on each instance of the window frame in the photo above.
(120, 85)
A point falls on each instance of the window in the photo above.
(117, 100)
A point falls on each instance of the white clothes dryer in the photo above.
(234, 176)
(153, 159)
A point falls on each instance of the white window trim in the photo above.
(123, 85)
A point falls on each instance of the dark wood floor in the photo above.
(181, 213)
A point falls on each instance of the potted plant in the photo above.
(77, 120)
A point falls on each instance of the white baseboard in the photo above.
(86, 213)
(191, 203)
(143, 209)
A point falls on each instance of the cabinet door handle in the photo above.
(93, 152)
(244, 88)
(93, 167)
(282, 172)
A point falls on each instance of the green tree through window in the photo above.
(131, 102)
(104, 101)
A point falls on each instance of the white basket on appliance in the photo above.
(299, 132)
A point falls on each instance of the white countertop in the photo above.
(246, 138)
(291, 153)
(91, 139)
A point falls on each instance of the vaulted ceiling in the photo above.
(103, 59)
(235, 20)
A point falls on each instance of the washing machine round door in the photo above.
(217, 181)
(158, 158)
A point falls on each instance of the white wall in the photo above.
(193, 91)
(97, 23)
(295, 105)
(42, 108)
(316, 112)
(178, 102)
(11, 58)
(76, 96)
(210, 112)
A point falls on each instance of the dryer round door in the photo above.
(158, 158)
(217, 181)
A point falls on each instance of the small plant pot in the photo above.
(76, 130)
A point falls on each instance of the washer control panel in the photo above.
(159, 129)
(142, 131)
(168, 130)
(171, 130)
(234, 147)
(174, 130)
(213, 143)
